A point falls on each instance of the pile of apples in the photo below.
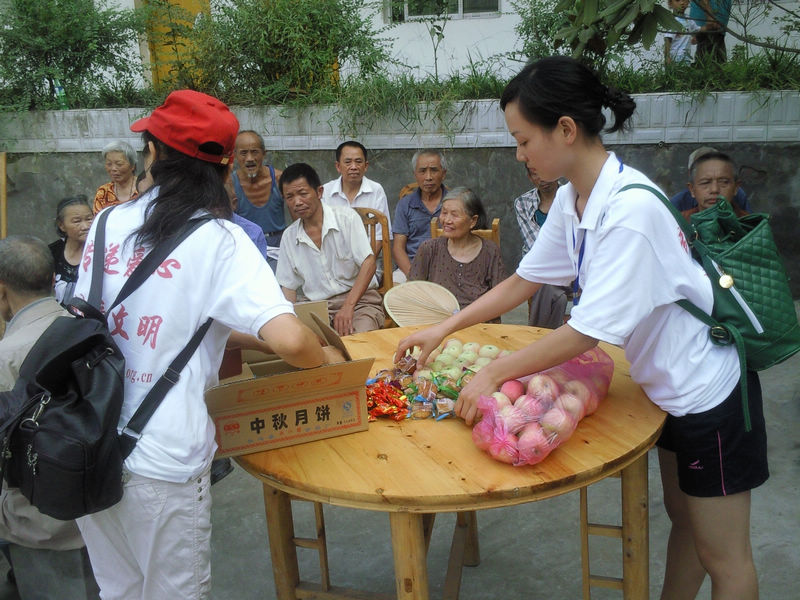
(522, 423)
(454, 357)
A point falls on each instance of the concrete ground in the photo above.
(527, 551)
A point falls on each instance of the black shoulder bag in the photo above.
(58, 426)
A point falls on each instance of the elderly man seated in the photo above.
(713, 177)
(327, 254)
(48, 556)
(412, 217)
(684, 200)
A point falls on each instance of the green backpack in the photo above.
(753, 306)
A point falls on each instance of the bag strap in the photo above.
(133, 430)
(96, 288)
(720, 333)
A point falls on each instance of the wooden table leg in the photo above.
(410, 560)
(472, 552)
(283, 552)
(635, 528)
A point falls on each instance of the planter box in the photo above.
(721, 117)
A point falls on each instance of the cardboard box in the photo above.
(272, 404)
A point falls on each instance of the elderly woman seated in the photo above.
(459, 260)
(120, 162)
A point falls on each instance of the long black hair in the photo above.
(559, 86)
(186, 185)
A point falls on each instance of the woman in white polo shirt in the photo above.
(632, 263)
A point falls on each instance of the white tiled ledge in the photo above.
(659, 118)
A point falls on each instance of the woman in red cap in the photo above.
(155, 543)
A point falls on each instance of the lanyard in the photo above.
(575, 284)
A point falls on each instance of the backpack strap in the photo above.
(721, 334)
(133, 430)
(96, 289)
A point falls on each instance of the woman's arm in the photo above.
(293, 341)
(507, 295)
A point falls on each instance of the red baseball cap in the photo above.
(188, 120)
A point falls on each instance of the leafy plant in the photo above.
(251, 51)
(59, 53)
(598, 24)
(537, 28)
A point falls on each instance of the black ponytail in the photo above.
(559, 86)
(186, 185)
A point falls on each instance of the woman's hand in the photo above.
(427, 340)
(482, 384)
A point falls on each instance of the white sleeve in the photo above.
(244, 293)
(548, 260)
(286, 273)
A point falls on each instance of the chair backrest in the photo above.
(407, 189)
(371, 219)
(489, 234)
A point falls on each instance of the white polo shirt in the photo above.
(635, 265)
(331, 269)
(216, 272)
(371, 195)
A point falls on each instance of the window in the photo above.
(415, 9)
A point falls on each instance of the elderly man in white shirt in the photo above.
(326, 252)
(353, 189)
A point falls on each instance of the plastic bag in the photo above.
(546, 415)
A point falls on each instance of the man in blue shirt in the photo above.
(684, 200)
(712, 18)
(412, 218)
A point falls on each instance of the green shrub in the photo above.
(79, 45)
(257, 52)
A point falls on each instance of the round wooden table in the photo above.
(415, 468)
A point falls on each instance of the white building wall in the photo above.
(483, 37)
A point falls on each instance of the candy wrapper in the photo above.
(528, 418)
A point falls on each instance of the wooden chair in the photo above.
(407, 189)
(372, 218)
(489, 234)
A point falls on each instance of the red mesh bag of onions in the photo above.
(528, 418)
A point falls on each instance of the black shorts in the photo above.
(716, 457)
